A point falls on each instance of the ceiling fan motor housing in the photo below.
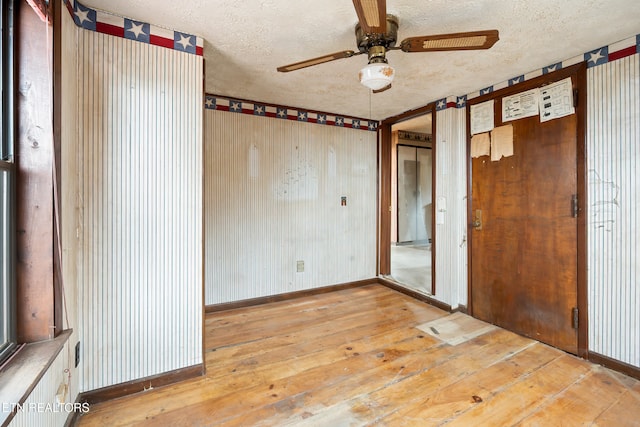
(366, 40)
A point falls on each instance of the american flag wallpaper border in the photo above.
(255, 108)
(108, 23)
(622, 49)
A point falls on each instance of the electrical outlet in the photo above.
(77, 353)
(300, 266)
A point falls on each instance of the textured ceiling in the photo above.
(245, 41)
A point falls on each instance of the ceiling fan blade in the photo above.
(318, 60)
(456, 41)
(372, 15)
(383, 89)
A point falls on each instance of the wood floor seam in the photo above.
(357, 357)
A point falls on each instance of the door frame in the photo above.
(385, 147)
(579, 71)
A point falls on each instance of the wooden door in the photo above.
(524, 259)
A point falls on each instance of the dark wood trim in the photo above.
(58, 287)
(326, 289)
(213, 308)
(384, 194)
(583, 308)
(203, 226)
(616, 365)
(462, 309)
(34, 184)
(74, 416)
(579, 71)
(417, 295)
(136, 386)
(434, 181)
(378, 202)
(469, 208)
(410, 114)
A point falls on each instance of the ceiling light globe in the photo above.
(376, 76)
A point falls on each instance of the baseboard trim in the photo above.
(417, 295)
(462, 309)
(616, 365)
(136, 386)
(74, 417)
(213, 308)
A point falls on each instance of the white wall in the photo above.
(69, 188)
(140, 207)
(451, 207)
(613, 163)
(273, 197)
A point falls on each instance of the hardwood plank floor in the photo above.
(355, 357)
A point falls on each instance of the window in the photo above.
(7, 194)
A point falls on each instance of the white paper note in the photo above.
(482, 118)
(556, 100)
(521, 105)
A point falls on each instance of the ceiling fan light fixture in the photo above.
(377, 75)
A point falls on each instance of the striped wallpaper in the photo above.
(613, 147)
(451, 207)
(273, 197)
(69, 200)
(140, 151)
(42, 408)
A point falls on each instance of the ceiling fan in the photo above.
(376, 34)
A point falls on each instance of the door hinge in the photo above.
(575, 97)
(574, 206)
(574, 317)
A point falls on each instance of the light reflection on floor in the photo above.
(411, 266)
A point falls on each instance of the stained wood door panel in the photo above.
(524, 259)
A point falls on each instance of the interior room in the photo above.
(360, 212)
(412, 203)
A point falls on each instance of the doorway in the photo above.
(527, 225)
(410, 233)
(414, 195)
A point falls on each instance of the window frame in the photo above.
(8, 331)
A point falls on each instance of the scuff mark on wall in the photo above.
(605, 206)
(299, 182)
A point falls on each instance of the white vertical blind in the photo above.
(613, 147)
(140, 138)
(273, 197)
